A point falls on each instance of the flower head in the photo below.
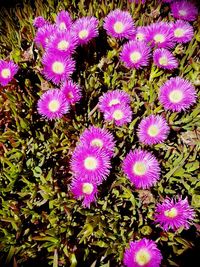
(120, 114)
(174, 213)
(119, 24)
(7, 71)
(135, 54)
(85, 29)
(143, 252)
(142, 168)
(153, 130)
(184, 10)
(164, 59)
(141, 33)
(57, 68)
(177, 94)
(71, 91)
(182, 31)
(53, 104)
(44, 35)
(39, 22)
(63, 20)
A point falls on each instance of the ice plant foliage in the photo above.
(182, 31)
(7, 71)
(72, 91)
(164, 59)
(142, 252)
(184, 10)
(63, 20)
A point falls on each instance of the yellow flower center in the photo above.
(140, 36)
(171, 213)
(159, 38)
(176, 96)
(90, 163)
(54, 105)
(142, 257)
(179, 32)
(5, 73)
(139, 168)
(63, 45)
(182, 12)
(153, 130)
(83, 34)
(97, 142)
(58, 67)
(87, 188)
(119, 27)
(113, 102)
(135, 56)
(118, 114)
(62, 26)
(163, 61)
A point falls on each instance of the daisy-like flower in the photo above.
(57, 68)
(159, 34)
(174, 213)
(63, 20)
(119, 24)
(184, 10)
(112, 98)
(141, 33)
(63, 43)
(135, 54)
(7, 71)
(143, 252)
(164, 59)
(97, 137)
(84, 189)
(85, 29)
(120, 114)
(53, 104)
(177, 94)
(90, 162)
(71, 91)
(182, 31)
(153, 130)
(39, 22)
(44, 35)
(142, 168)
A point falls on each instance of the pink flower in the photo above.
(63, 20)
(120, 114)
(164, 59)
(39, 22)
(7, 71)
(141, 33)
(71, 91)
(184, 10)
(44, 35)
(182, 31)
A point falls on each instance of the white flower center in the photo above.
(97, 142)
(119, 27)
(90, 163)
(114, 102)
(5, 73)
(63, 45)
(171, 213)
(182, 12)
(140, 36)
(159, 38)
(176, 96)
(58, 67)
(139, 168)
(87, 188)
(179, 32)
(83, 34)
(135, 56)
(153, 130)
(118, 114)
(163, 60)
(142, 257)
(62, 26)
(54, 105)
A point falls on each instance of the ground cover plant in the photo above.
(99, 133)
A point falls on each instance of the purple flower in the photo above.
(141, 33)
(153, 130)
(143, 252)
(7, 71)
(119, 24)
(177, 94)
(63, 20)
(164, 59)
(53, 104)
(97, 137)
(142, 168)
(112, 98)
(57, 68)
(90, 162)
(135, 54)
(120, 114)
(85, 29)
(182, 31)
(71, 91)
(184, 10)
(173, 214)
(44, 35)
(39, 22)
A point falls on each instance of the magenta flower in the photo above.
(120, 114)
(7, 71)
(159, 34)
(135, 54)
(71, 91)
(173, 214)
(141, 33)
(153, 130)
(177, 94)
(84, 189)
(85, 29)
(164, 59)
(97, 137)
(142, 168)
(112, 98)
(63, 20)
(90, 162)
(143, 252)
(57, 68)
(182, 31)
(184, 10)
(44, 35)
(119, 24)
(53, 104)
(39, 22)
